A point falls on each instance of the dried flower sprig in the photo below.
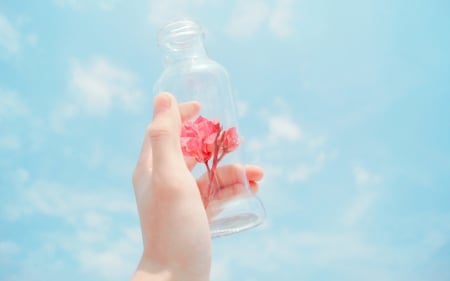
(207, 142)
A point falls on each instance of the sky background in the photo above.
(346, 104)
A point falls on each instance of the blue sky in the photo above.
(346, 104)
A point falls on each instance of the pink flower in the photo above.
(204, 139)
(230, 140)
(198, 138)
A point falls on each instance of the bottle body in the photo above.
(212, 139)
(202, 80)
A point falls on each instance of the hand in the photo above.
(175, 230)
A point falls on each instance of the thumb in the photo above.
(164, 133)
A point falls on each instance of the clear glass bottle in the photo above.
(190, 74)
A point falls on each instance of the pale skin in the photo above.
(174, 223)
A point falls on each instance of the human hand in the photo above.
(175, 230)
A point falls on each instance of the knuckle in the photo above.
(155, 130)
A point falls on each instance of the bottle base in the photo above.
(231, 225)
(235, 216)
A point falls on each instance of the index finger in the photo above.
(187, 110)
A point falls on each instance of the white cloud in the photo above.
(52, 199)
(12, 39)
(109, 249)
(8, 249)
(9, 36)
(280, 21)
(11, 105)
(99, 85)
(163, 11)
(32, 39)
(20, 176)
(290, 153)
(346, 253)
(284, 128)
(102, 244)
(316, 141)
(112, 263)
(9, 142)
(220, 270)
(304, 171)
(363, 177)
(360, 206)
(365, 197)
(282, 253)
(249, 17)
(96, 87)
(242, 108)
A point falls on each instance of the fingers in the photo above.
(230, 180)
(233, 190)
(232, 174)
(164, 133)
(187, 110)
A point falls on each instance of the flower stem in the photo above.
(212, 172)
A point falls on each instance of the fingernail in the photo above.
(162, 103)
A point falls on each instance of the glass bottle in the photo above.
(190, 74)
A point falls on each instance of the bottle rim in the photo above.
(179, 33)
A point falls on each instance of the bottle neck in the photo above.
(180, 41)
(194, 50)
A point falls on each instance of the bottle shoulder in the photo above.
(205, 70)
(194, 67)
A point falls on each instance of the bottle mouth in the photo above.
(179, 34)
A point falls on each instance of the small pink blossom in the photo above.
(198, 137)
(205, 140)
(230, 140)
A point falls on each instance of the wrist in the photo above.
(149, 270)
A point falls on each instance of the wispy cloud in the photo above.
(364, 177)
(280, 20)
(99, 85)
(284, 128)
(280, 128)
(96, 87)
(297, 154)
(289, 154)
(220, 270)
(242, 108)
(345, 254)
(9, 36)
(51, 199)
(7, 250)
(13, 111)
(303, 171)
(101, 244)
(163, 11)
(11, 105)
(359, 207)
(365, 197)
(14, 38)
(9, 142)
(111, 258)
(283, 253)
(249, 17)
